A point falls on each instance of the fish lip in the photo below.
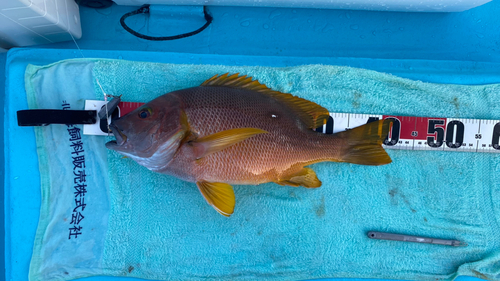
(121, 138)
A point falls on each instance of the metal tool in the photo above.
(417, 239)
(111, 106)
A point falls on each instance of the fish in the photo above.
(233, 130)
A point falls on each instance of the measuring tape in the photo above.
(407, 132)
(426, 133)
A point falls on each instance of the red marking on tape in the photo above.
(127, 107)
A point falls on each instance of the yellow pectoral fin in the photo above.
(218, 141)
(305, 177)
(218, 195)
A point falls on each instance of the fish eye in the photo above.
(145, 113)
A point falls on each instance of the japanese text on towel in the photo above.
(79, 179)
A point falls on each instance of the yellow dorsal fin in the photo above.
(305, 177)
(218, 141)
(312, 114)
(218, 195)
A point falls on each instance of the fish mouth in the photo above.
(121, 138)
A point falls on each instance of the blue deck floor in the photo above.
(473, 35)
(2, 170)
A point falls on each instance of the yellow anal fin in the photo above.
(305, 177)
(216, 142)
(218, 195)
(312, 114)
(364, 144)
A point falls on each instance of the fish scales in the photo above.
(285, 149)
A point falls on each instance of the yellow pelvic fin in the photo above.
(312, 114)
(218, 141)
(305, 177)
(364, 144)
(218, 195)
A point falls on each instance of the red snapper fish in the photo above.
(234, 130)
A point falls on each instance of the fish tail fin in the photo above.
(364, 144)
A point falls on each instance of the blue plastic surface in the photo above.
(472, 35)
(22, 175)
(295, 36)
(2, 212)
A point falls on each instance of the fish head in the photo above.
(151, 132)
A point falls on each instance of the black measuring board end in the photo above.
(43, 117)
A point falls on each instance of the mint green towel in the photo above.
(141, 224)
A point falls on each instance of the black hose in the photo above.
(145, 10)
